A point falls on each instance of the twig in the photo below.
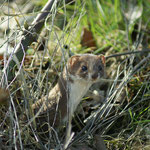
(129, 53)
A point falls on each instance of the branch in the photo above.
(28, 37)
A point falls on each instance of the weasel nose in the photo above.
(94, 76)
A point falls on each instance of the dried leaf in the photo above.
(4, 95)
(133, 12)
(87, 39)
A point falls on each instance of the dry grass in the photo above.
(122, 118)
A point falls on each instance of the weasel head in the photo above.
(86, 67)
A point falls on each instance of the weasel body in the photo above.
(80, 73)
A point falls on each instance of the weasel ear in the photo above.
(102, 57)
(73, 60)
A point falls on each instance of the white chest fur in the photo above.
(77, 90)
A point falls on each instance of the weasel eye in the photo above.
(84, 68)
(100, 68)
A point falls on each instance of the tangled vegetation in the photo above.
(118, 29)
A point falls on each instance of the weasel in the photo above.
(80, 72)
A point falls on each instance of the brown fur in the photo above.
(55, 104)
